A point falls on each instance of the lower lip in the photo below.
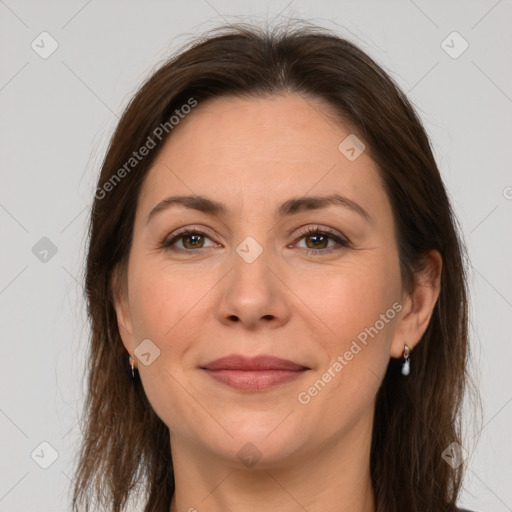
(259, 380)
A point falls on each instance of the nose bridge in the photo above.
(251, 292)
(250, 280)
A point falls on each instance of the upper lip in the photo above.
(263, 362)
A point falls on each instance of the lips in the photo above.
(258, 363)
(253, 374)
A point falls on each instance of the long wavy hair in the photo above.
(125, 449)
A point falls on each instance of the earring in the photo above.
(406, 365)
(132, 366)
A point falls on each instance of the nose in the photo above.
(253, 295)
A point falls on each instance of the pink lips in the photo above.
(255, 373)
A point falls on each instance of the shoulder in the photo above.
(464, 510)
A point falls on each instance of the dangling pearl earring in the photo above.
(406, 366)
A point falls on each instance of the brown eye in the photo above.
(190, 240)
(317, 241)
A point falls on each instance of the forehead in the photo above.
(260, 148)
(289, 126)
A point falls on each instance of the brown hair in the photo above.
(126, 446)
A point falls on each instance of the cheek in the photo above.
(357, 307)
(355, 353)
(351, 298)
(162, 300)
(167, 307)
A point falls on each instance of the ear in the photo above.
(119, 286)
(418, 306)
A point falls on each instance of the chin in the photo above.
(261, 441)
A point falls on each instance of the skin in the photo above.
(252, 155)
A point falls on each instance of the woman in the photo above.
(276, 288)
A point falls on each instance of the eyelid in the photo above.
(194, 228)
(319, 228)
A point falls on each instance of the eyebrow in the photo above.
(289, 207)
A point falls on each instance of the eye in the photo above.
(190, 239)
(317, 240)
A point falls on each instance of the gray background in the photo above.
(58, 114)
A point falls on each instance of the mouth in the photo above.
(253, 374)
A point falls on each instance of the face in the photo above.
(312, 283)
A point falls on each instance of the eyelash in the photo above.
(176, 236)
